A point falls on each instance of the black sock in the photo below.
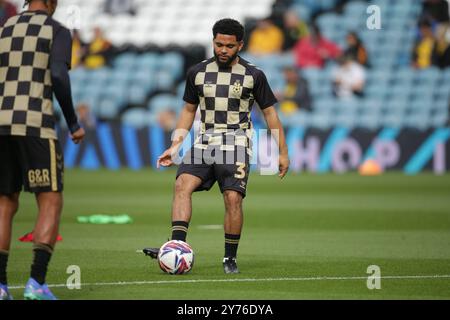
(3, 263)
(231, 244)
(42, 255)
(179, 230)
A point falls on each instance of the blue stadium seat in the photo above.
(165, 80)
(327, 4)
(418, 116)
(180, 89)
(270, 62)
(285, 60)
(427, 76)
(108, 108)
(137, 94)
(163, 102)
(299, 118)
(99, 76)
(321, 121)
(122, 76)
(322, 105)
(172, 62)
(383, 62)
(302, 11)
(356, 9)
(446, 75)
(313, 5)
(137, 118)
(404, 75)
(329, 21)
(347, 113)
(376, 90)
(127, 60)
(143, 78)
(148, 61)
(401, 90)
(375, 77)
(393, 120)
(423, 96)
(370, 121)
(440, 118)
(442, 91)
(275, 79)
(78, 74)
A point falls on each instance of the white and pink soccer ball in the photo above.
(176, 257)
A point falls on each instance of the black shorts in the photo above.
(230, 175)
(30, 163)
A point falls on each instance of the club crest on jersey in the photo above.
(237, 87)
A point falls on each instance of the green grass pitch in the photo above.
(306, 237)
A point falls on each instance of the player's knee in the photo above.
(182, 186)
(11, 202)
(232, 198)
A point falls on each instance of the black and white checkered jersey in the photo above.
(26, 95)
(226, 97)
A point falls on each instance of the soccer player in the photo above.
(35, 56)
(225, 88)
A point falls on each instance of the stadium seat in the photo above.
(138, 118)
(126, 60)
(172, 62)
(302, 11)
(320, 121)
(108, 108)
(391, 81)
(355, 9)
(163, 102)
(428, 76)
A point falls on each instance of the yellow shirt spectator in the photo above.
(266, 38)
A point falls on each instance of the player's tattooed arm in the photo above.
(277, 131)
(184, 124)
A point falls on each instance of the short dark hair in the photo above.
(27, 2)
(230, 27)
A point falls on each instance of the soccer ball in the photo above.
(176, 257)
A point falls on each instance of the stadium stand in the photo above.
(146, 75)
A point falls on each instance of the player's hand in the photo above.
(78, 136)
(166, 159)
(283, 165)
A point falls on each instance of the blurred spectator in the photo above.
(266, 38)
(296, 94)
(7, 10)
(98, 51)
(78, 49)
(441, 51)
(115, 7)
(437, 10)
(294, 29)
(314, 50)
(355, 49)
(349, 78)
(423, 49)
(86, 117)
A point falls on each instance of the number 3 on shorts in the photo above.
(240, 170)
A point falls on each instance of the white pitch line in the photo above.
(124, 283)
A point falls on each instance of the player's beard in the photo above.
(227, 63)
